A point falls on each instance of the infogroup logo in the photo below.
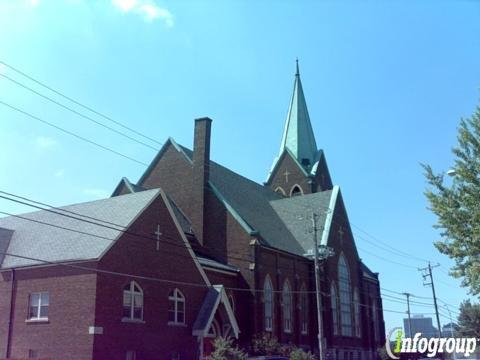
(428, 346)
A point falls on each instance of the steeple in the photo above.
(298, 135)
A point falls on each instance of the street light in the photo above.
(452, 172)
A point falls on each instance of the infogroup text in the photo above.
(428, 346)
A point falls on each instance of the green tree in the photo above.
(469, 320)
(457, 205)
(224, 350)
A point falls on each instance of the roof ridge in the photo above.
(114, 198)
(236, 174)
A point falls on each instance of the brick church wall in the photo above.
(137, 255)
(71, 312)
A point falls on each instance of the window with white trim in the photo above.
(303, 310)
(345, 291)
(334, 306)
(132, 301)
(287, 307)
(176, 307)
(356, 307)
(38, 306)
(268, 303)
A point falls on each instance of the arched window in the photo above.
(268, 303)
(280, 190)
(287, 307)
(296, 190)
(345, 296)
(356, 307)
(334, 306)
(176, 307)
(303, 310)
(133, 301)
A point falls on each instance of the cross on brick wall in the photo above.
(286, 173)
(158, 233)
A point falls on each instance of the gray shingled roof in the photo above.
(5, 237)
(36, 240)
(296, 213)
(273, 216)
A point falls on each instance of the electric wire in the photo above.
(79, 103)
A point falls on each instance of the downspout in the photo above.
(10, 316)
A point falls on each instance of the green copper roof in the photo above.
(298, 133)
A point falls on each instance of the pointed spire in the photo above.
(298, 135)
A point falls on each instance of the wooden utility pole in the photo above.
(427, 273)
(410, 331)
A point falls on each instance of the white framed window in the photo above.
(268, 303)
(303, 310)
(176, 307)
(345, 291)
(356, 307)
(334, 306)
(132, 301)
(287, 307)
(280, 191)
(38, 306)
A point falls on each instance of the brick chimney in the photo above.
(201, 172)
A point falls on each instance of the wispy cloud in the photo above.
(44, 142)
(96, 193)
(146, 9)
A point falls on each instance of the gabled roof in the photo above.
(298, 136)
(296, 213)
(131, 187)
(249, 203)
(216, 295)
(254, 206)
(72, 239)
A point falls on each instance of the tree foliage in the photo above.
(224, 350)
(469, 320)
(457, 205)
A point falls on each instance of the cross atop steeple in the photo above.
(298, 134)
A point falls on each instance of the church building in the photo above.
(190, 252)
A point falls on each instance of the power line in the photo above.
(150, 278)
(72, 134)
(387, 260)
(397, 253)
(79, 103)
(71, 214)
(78, 113)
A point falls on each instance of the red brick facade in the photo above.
(85, 310)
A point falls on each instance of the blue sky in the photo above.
(386, 84)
